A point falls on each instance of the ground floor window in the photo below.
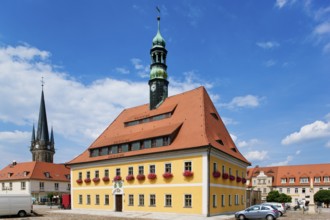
(106, 200)
(80, 200)
(168, 200)
(97, 199)
(152, 200)
(229, 200)
(187, 200)
(214, 201)
(23, 186)
(236, 199)
(141, 200)
(223, 200)
(130, 200)
(88, 200)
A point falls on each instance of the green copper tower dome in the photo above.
(158, 71)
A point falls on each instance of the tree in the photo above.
(275, 196)
(322, 196)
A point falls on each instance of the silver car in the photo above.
(280, 207)
(268, 212)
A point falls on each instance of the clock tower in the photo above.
(158, 83)
(42, 147)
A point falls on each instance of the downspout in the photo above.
(208, 180)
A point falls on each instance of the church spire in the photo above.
(42, 148)
(158, 70)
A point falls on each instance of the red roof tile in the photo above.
(35, 170)
(194, 111)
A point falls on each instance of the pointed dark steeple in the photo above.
(158, 83)
(42, 148)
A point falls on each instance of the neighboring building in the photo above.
(172, 155)
(35, 178)
(42, 147)
(41, 176)
(296, 181)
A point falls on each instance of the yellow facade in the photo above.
(188, 195)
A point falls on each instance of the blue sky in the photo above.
(266, 65)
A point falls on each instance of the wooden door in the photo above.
(119, 203)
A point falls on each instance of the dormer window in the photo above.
(25, 173)
(10, 174)
(47, 174)
(283, 180)
(148, 119)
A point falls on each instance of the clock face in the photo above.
(37, 145)
(153, 87)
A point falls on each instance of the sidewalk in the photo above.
(140, 215)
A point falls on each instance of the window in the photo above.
(130, 170)
(304, 180)
(280, 189)
(295, 190)
(106, 173)
(88, 174)
(56, 186)
(130, 200)
(141, 200)
(242, 199)
(106, 199)
(326, 179)
(136, 145)
(80, 199)
(229, 171)
(215, 167)
(152, 200)
(47, 174)
(147, 144)
(141, 169)
(168, 200)
(97, 199)
(159, 142)
(291, 180)
(118, 172)
(69, 186)
(223, 200)
(214, 201)
(264, 190)
(88, 199)
(10, 186)
(187, 165)
(229, 200)
(236, 199)
(168, 168)
(80, 175)
(3, 186)
(23, 186)
(42, 186)
(104, 151)
(288, 190)
(283, 180)
(97, 174)
(187, 201)
(317, 179)
(223, 169)
(152, 169)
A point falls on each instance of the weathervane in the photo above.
(42, 82)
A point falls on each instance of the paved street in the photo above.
(47, 213)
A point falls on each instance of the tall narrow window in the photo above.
(223, 203)
(152, 169)
(168, 200)
(223, 169)
(88, 202)
(215, 167)
(88, 174)
(56, 186)
(214, 200)
(118, 172)
(141, 169)
(80, 175)
(106, 199)
(130, 200)
(106, 173)
(236, 200)
(42, 186)
(187, 201)
(187, 166)
(141, 200)
(168, 168)
(80, 199)
(152, 200)
(229, 200)
(97, 174)
(23, 186)
(130, 170)
(97, 199)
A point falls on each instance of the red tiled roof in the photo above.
(35, 170)
(194, 111)
(294, 171)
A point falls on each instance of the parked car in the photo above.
(280, 207)
(262, 211)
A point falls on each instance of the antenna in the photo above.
(42, 82)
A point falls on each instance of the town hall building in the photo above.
(172, 155)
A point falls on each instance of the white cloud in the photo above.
(77, 112)
(283, 163)
(268, 44)
(315, 130)
(256, 155)
(122, 70)
(323, 28)
(143, 70)
(298, 152)
(326, 48)
(281, 3)
(270, 63)
(249, 143)
(327, 144)
(250, 101)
